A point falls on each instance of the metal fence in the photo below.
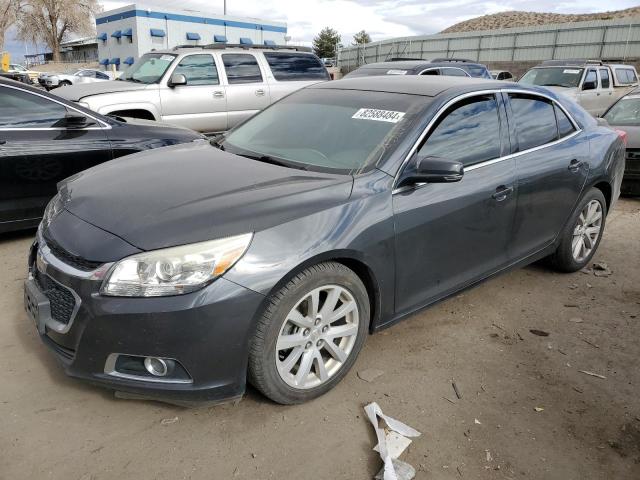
(617, 39)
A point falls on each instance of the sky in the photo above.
(381, 19)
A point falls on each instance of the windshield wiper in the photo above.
(273, 161)
(554, 85)
(217, 141)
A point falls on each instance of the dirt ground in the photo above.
(55, 427)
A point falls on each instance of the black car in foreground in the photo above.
(269, 255)
(44, 139)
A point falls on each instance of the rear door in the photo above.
(201, 104)
(36, 152)
(449, 235)
(552, 164)
(247, 89)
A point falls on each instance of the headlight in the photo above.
(176, 270)
(53, 208)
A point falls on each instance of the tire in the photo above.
(269, 354)
(563, 259)
(64, 83)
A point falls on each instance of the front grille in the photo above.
(632, 163)
(60, 298)
(69, 258)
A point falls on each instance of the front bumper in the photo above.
(207, 332)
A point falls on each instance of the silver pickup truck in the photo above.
(591, 83)
(209, 89)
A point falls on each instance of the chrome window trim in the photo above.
(466, 74)
(101, 125)
(454, 100)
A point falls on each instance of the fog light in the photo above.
(156, 366)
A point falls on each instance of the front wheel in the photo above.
(581, 237)
(64, 83)
(310, 334)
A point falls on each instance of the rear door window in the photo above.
(604, 78)
(468, 132)
(198, 70)
(535, 120)
(454, 72)
(292, 66)
(241, 68)
(19, 109)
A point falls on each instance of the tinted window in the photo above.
(535, 121)
(241, 68)
(19, 109)
(591, 77)
(432, 71)
(565, 127)
(468, 132)
(454, 72)
(604, 78)
(198, 69)
(295, 66)
(102, 76)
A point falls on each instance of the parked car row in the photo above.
(51, 80)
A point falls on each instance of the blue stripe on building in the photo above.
(189, 18)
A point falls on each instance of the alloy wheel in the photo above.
(317, 337)
(587, 231)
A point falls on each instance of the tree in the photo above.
(361, 38)
(326, 43)
(51, 21)
(8, 13)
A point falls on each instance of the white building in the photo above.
(126, 33)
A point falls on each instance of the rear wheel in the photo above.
(582, 235)
(310, 334)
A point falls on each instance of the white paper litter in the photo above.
(396, 444)
(374, 412)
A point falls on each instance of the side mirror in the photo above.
(74, 120)
(589, 85)
(421, 169)
(177, 79)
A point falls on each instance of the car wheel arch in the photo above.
(350, 259)
(607, 191)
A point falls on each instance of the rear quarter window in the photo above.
(289, 66)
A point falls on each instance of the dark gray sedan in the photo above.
(270, 254)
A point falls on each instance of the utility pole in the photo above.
(224, 11)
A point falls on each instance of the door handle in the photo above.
(218, 94)
(502, 192)
(260, 92)
(574, 165)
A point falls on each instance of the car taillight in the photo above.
(623, 135)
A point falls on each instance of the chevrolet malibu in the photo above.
(269, 254)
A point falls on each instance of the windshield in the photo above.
(339, 131)
(149, 68)
(625, 112)
(553, 77)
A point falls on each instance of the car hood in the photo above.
(194, 192)
(571, 92)
(77, 92)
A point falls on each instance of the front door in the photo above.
(36, 152)
(201, 104)
(552, 165)
(247, 89)
(449, 235)
(590, 99)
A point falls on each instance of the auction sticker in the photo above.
(378, 115)
(571, 71)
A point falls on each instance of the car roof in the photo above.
(415, 65)
(428, 86)
(180, 49)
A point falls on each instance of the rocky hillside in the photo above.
(527, 19)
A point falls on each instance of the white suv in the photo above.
(208, 89)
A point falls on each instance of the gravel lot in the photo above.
(55, 427)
